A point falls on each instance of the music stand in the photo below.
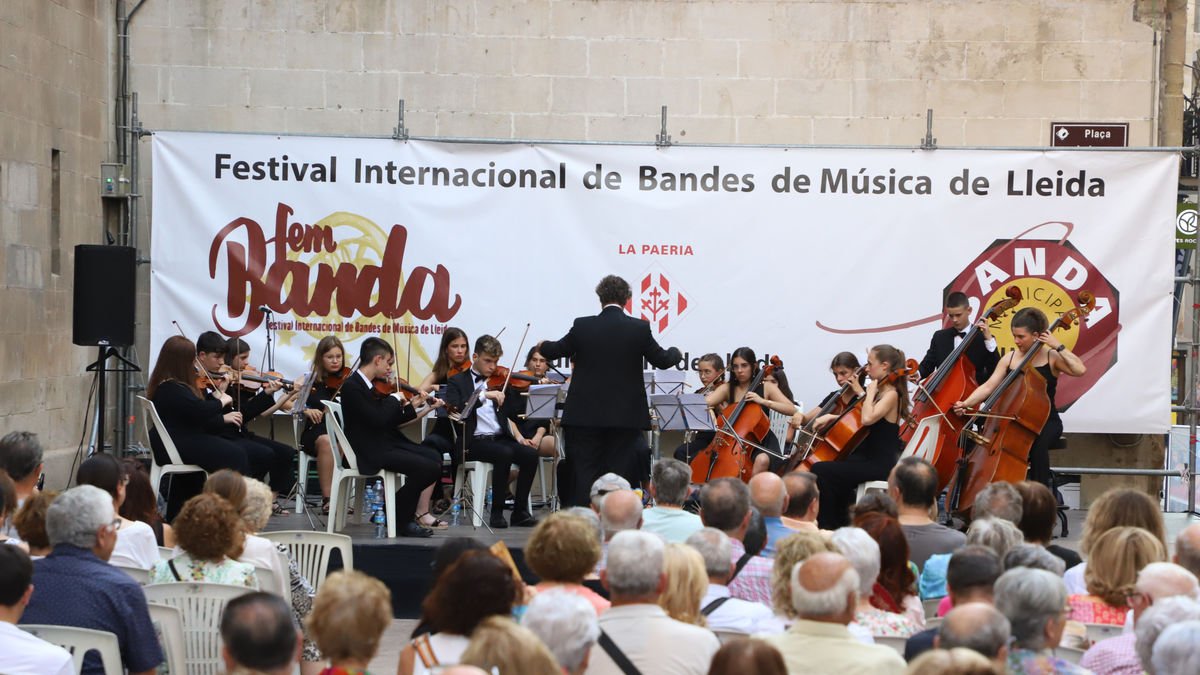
(688, 412)
(664, 382)
(542, 402)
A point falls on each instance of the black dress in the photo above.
(1039, 452)
(838, 482)
(314, 430)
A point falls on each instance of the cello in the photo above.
(740, 428)
(806, 437)
(1015, 414)
(954, 380)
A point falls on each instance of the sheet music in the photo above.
(301, 401)
(671, 382)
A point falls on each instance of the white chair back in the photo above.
(312, 551)
(139, 575)
(896, 643)
(166, 553)
(80, 641)
(200, 606)
(725, 636)
(269, 582)
(342, 452)
(931, 607)
(156, 422)
(1102, 631)
(169, 623)
(779, 424)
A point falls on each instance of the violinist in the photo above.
(884, 404)
(451, 360)
(534, 433)
(329, 371)
(711, 369)
(1029, 332)
(488, 435)
(744, 367)
(844, 366)
(981, 353)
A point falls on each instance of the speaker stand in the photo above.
(100, 367)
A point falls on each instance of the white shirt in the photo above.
(136, 546)
(738, 616)
(486, 423)
(654, 642)
(1073, 578)
(990, 343)
(23, 654)
(261, 552)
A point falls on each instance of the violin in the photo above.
(1014, 415)
(335, 380)
(460, 368)
(502, 377)
(384, 386)
(954, 380)
(250, 379)
(806, 437)
(741, 427)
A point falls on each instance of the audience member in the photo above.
(75, 585)
(893, 591)
(769, 495)
(1177, 650)
(21, 458)
(998, 500)
(609, 482)
(1032, 555)
(1116, 558)
(136, 546)
(803, 502)
(562, 550)
(30, 523)
(1118, 507)
(747, 655)
(863, 553)
(669, 483)
(256, 550)
(500, 645)
(755, 539)
(620, 510)
(687, 582)
(348, 619)
(998, 535)
(956, 661)
(725, 505)
(1039, 516)
(970, 575)
(210, 537)
(23, 654)
(793, 550)
(566, 624)
(636, 625)
(825, 594)
(257, 635)
(1187, 549)
(977, 626)
(875, 502)
(141, 503)
(724, 612)
(474, 587)
(8, 507)
(913, 485)
(448, 553)
(1035, 604)
(1155, 620)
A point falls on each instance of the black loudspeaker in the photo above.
(105, 281)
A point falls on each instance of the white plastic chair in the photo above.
(896, 643)
(779, 424)
(157, 471)
(169, 623)
(871, 486)
(139, 575)
(931, 607)
(1102, 631)
(200, 606)
(268, 582)
(481, 473)
(725, 636)
(79, 641)
(312, 550)
(343, 457)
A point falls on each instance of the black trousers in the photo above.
(592, 452)
(421, 467)
(267, 457)
(1039, 452)
(211, 453)
(502, 453)
(838, 482)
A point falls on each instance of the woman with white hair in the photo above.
(1035, 603)
(566, 623)
(1177, 650)
(863, 553)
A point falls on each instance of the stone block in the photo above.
(700, 58)
(647, 95)
(907, 60)
(306, 16)
(512, 94)
(269, 16)
(591, 96)
(320, 121)
(774, 130)
(703, 129)
(1104, 21)
(437, 92)
(383, 122)
(20, 186)
(724, 96)
(963, 22)
(1003, 61)
(208, 86)
(155, 45)
(1042, 99)
(739, 20)
(288, 88)
(550, 127)
(800, 61)
(624, 58)
(813, 98)
(403, 53)
(1080, 61)
(438, 17)
(1000, 131)
(910, 130)
(255, 119)
(965, 98)
(342, 52)
(663, 20)
(1119, 101)
(1137, 61)
(888, 98)
(474, 125)
(885, 22)
(477, 56)
(512, 18)
(1043, 22)
(248, 48)
(147, 81)
(374, 91)
(550, 56)
(224, 14)
(586, 18)
(809, 21)
(850, 130)
(623, 128)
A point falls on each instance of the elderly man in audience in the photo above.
(913, 485)
(1187, 549)
(75, 585)
(620, 510)
(723, 611)
(20, 652)
(21, 458)
(803, 501)
(977, 626)
(609, 482)
(567, 624)
(669, 486)
(1032, 555)
(863, 553)
(1157, 581)
(769, 495)
(1035, 603)
(257, 635)
(998, 500)
(825, 594)
(639, 630)
(1157, 619)
(970, 576)
(725, 505)
(1177, 650)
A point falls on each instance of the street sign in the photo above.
(1089, 135)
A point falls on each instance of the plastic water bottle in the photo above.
(376, 507)
(487, 503)
(455, 512)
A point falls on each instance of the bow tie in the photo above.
(961, 333)
(477, 376)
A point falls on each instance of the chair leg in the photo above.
(389, 502)
(155, 477)
(335, 501)
(301, 482)
(360, 493)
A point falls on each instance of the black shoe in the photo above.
(522, 519)
(497, 521)
(414, 530)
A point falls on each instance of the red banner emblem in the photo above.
(657, 301)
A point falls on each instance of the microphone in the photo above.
(264, 309)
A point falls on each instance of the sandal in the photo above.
(277, 509)
(325, 507)
(436, 524)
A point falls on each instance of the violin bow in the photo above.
(353, 369)
(195, 359)
(516, 356)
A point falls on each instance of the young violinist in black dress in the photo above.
(711, 369)
(744, 367)
(884, 405)
(1029, 331)
(534, 433)
(329, 371)
(843, 367)
(453, 358)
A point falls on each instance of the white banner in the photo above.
(796, 252)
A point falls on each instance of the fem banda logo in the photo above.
(258, 275)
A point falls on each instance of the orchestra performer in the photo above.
(843, 367)
(534, 433)
(711, 369)
(253, 400)
(743, 369)
(329, 371)
(981, 353)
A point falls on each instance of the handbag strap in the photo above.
(712, 606)
(614, 652)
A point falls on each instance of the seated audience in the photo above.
(620, 510)
(562, 550)
(1187, 549)
(1177, 650)
(893, 591)
(348, 618)
(8, 507)
(741, 656)
(474, 587)
(75, 585)
(669, 481)
(1155, 620)
(136, 546)
(722, 611)
(1032, 555)
(1117, 557)
(22, 653)
(257, 635)
(141, 503)
(1035, 604)
(913, 485)
(210, 538)
(977, 626)
(755, 539)
(956, 661)
(998, 500)
(794, 550)
(639, 628)
(446, 555)
(687, 583)
(803, 502)
(30, 523)
(1039, 517)
(21, 458)
(1157, 581)
(566, 624)
(998, 535)
(970, 575)
(863, 553)
(1118, 507)
(256, 550)
(769, 495)
(500, 645)
(825, 594)
(725, 505)
(875, 502)
(609, 482)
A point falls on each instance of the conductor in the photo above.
(606, 411)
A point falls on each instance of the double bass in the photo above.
(954, 380)
(806, 438)
(1014, 415)
(739, 429)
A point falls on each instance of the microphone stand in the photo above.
(270, 340)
